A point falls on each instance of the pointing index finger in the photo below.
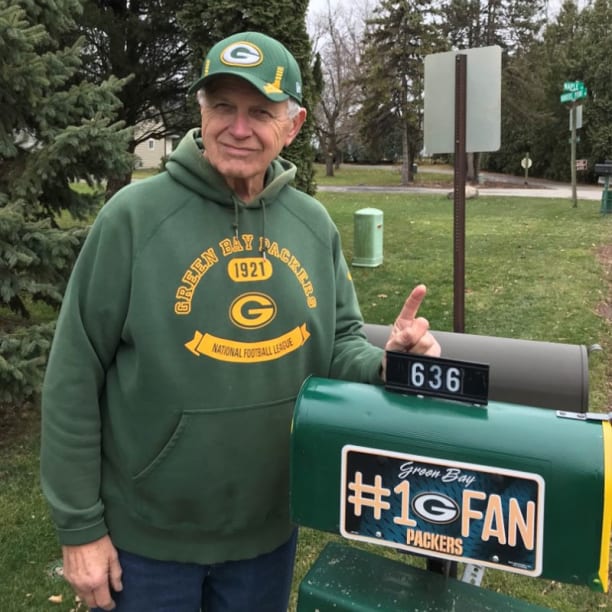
(413, 303)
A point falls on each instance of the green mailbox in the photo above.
(505, 486)
(550, 375)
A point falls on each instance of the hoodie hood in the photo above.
(188, 166)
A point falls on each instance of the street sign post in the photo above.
(526, 163)
(578, 118)
(572, 92)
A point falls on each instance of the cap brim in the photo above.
(257, 83)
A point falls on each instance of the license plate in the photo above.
(453, 510)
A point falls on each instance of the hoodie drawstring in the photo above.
(263, 229)
(262, 240)
(236, 213)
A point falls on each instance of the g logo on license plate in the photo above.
(435, 508)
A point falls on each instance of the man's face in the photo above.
(243, 132)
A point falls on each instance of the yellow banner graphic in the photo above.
(247, 352)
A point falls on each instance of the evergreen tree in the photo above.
(593, 48)
(206, 23)
(398, 37)
(511, 24)
(526, 115)
(575, 47)
(54, 130)
(559, 63)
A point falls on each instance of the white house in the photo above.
(151, 151)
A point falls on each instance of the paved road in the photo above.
(539, 188)
(536, 188)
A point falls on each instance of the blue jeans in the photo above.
(262, 584)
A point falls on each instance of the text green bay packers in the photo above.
(233, 246)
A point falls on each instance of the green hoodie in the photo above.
(188, 326)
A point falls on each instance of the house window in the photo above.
(151, 144)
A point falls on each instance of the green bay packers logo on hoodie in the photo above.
(251, 310)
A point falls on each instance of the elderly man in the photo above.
(201, 300)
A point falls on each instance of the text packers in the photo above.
(435, 542)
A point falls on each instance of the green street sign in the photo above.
(573, 86)
(572, 96)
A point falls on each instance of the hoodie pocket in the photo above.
(224, 471)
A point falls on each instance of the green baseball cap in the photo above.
(261, 60)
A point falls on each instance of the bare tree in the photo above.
(336, 38)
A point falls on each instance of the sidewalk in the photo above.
(583, 192)
(561, 191)
(536, 188)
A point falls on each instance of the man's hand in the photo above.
(92, 570)
(411, 333)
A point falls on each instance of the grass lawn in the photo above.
(533, 271)
(390, 175)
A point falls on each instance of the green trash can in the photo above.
(606, 201)
(605, 171)
(368, 238)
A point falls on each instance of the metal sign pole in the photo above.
(472, 125)
(573, 156)
(459, 190)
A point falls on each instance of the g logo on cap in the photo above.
(242, 54)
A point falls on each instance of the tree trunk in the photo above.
(405, 156)
(339, 160)
(473, 168)
(411, 165)
(470, 172)
(115, 183)
(329, 163)
(330, 154)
